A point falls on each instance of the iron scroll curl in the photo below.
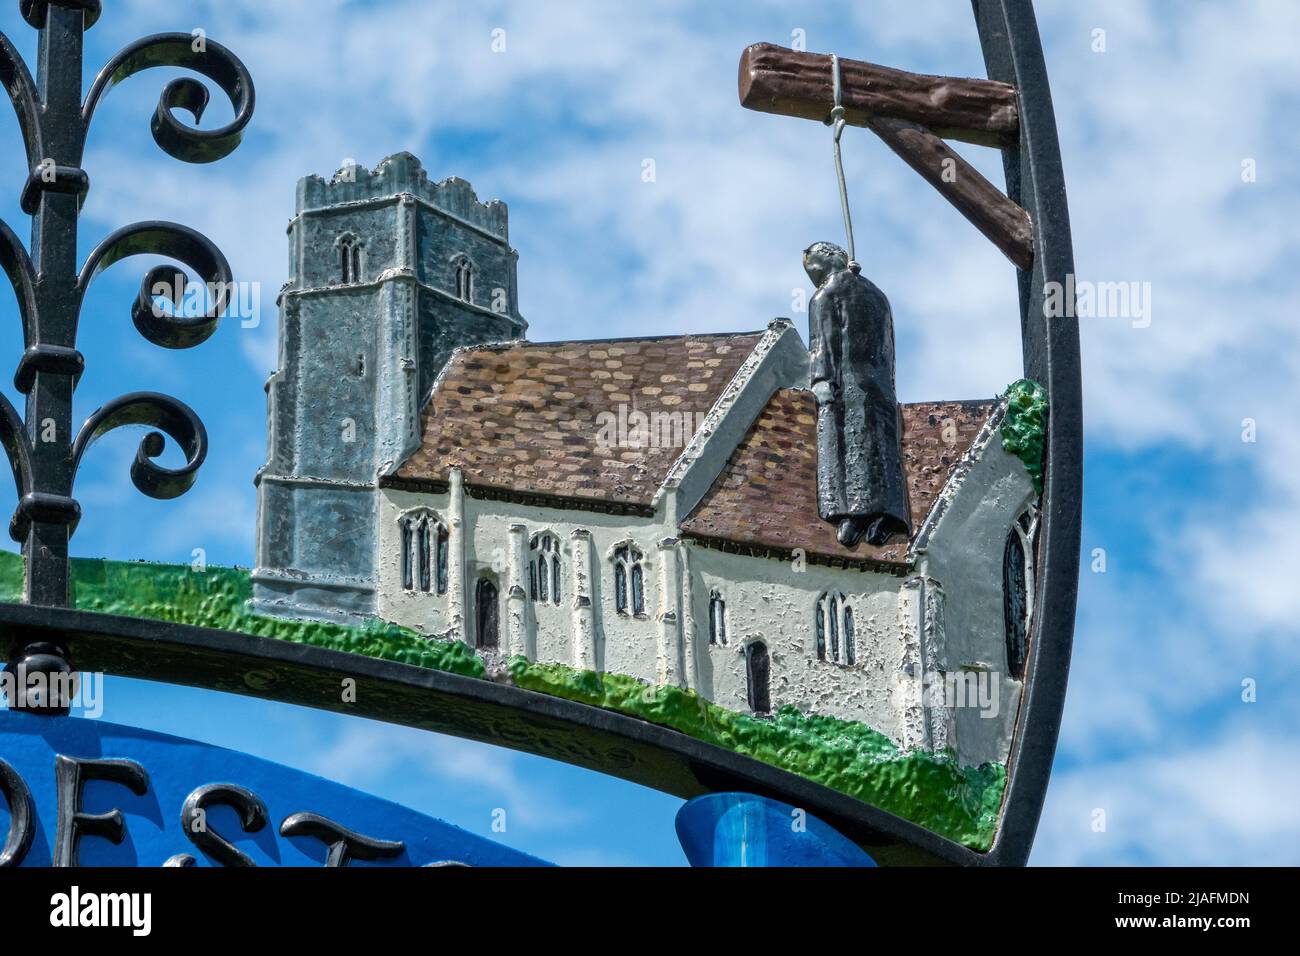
(163, 412)
(192, 52)
(168, 329)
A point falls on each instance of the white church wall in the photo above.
(424, 612)
(962, 550)
(621, 643)
(768, 600)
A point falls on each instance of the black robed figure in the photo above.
(860, 485)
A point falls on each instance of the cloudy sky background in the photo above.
(1198, 527)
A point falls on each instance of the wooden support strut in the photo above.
(911, 113)
(1003, 222)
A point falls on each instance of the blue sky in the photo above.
(1157, 113)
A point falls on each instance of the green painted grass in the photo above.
(929, 789)
(219, 597)
(1024, 428)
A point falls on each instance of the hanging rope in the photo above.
(837, 121)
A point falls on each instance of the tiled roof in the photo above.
(527, 418)
(766, 496)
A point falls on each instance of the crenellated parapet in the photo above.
(397, 175)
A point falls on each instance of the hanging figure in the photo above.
(860, 484)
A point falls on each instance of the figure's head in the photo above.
(822, 260)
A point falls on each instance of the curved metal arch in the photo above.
(173, 417)
(17, 265)
(179, 242)
(212, 60)
(1013, 53)
(13, 438)
(471, 708)
(18, 83)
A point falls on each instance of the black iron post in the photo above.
(52, 347)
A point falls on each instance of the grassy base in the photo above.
(928, 789)
(219, 597)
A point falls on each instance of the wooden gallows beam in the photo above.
(913, 114)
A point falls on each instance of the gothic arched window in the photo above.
(850, 638)
(629, 580)
(1018, 588)
(350, 259)
(835, 629)
(758, 677)
(424, 552)
(717, 618)
(485, 613)
(464, 278)
(544, 568)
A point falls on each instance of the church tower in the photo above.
(388, 273)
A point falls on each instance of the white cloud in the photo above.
(1228, 802)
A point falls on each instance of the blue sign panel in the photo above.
(80, 792)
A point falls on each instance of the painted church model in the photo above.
(643, 507)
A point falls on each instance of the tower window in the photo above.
(1018, 589)
(350, 259)
(835, 629)
(629, 580)
(544, 568)
(717, 618)
(464, 278)
(424, 552)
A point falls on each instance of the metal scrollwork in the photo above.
(42, 445)
(166, 328)
(160, 411)
(192, 52)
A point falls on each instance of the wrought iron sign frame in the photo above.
(45, 633)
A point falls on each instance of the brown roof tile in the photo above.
(766, 496)
(526, 417)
